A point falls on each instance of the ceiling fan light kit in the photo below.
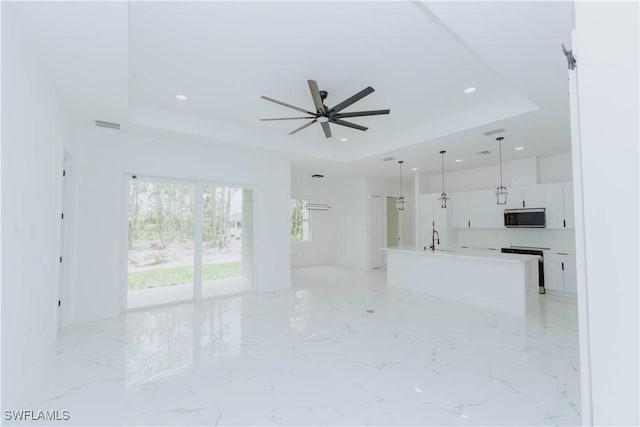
(325, 115)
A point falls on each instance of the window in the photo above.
(300, 221)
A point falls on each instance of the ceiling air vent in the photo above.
(494, 131)
(483, 153)
(110, 125)
(386, 159)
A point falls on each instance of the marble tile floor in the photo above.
(340, 348)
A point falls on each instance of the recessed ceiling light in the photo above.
(181, 97)
(414, 169)
(470, 90)
(343, 139)
(519, 148)
(137, 77)
(458, 160)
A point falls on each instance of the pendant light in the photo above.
(443, 197)
(501, 192)
(400, 201)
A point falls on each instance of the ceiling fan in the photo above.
(325, 115)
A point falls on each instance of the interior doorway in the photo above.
(185, 241)
(378, 239)
(393, 222)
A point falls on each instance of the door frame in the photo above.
(198, 186)
(371, 230)
(386, 223)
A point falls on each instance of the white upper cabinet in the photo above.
(484, 211)
(459, 204)
(550, 197)
(478, 209)
(515, 198)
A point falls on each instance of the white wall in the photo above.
(342, 235)
(555, 168)
(321, 248)
(606, 187)
(467, 180)
(104, 156)
(351, 206)
(34, 133)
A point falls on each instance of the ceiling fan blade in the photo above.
(288, 105)
(302, 127)
(360, 113)
(326, 129)
(287, 118)
(315, 94)
(347, 124)
(355, 98)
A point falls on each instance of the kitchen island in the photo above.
(484, 278)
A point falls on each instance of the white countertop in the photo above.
(561, 251)
(466, 253)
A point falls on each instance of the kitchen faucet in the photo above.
(434, 239)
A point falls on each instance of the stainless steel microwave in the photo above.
(525, 218)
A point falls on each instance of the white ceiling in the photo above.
(224, 55)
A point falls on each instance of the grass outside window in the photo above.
(183, 274)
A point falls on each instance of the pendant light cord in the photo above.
(500, 150)
(400, 177)
(442, 168)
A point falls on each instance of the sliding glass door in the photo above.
(222, 228)
(184, 241)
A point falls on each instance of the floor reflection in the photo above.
(301, 314)
(164, 341)
(339, 348)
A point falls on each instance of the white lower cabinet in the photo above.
(570, 275)
(560, 272)
(553, 275)
(567, 204)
